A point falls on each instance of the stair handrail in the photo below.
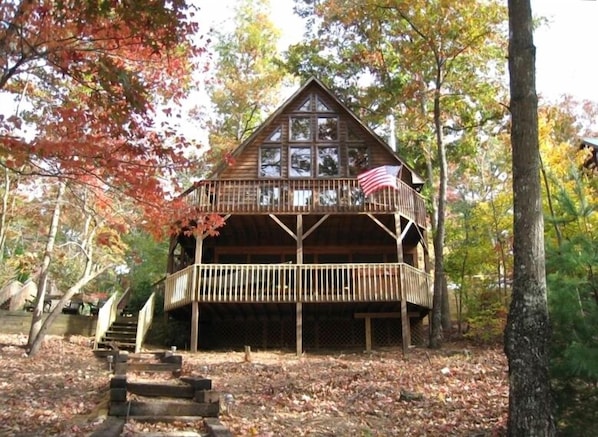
(123, 301)
(144, 321)
(106, 315)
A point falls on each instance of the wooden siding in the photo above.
(330, 196)
(350, 134)
(280, 283)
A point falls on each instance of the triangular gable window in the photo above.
(321, 106)
(276, 136)
(305, 106)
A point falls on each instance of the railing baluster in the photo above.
(297, 195)
(289, 282)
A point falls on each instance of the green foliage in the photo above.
(572, 263)
(486, 316)
(247, 78)
(168, 333)
(146, 264)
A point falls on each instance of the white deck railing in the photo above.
(279, 283)
(144, 321)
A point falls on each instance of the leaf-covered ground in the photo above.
(457, 391)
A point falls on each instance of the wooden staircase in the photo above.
(148, 387)
(121, 335)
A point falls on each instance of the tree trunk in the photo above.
(36, 319)
(447, 322)
(527, 335)
(437, 300)
(39, 339)
(4, 212)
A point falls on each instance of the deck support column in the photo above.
(405, 327)
(368, 334)
(299, 308)
(299, 328)
(198, 248)
(398, 239)
(195, 301)
(194, 325)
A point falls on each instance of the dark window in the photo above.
(300, 162)
(327, 128)
(276, 136)
(300, 129)
(328, 161)
(321, 106)
(328, 197)
(269, 196)
(305, 106)
(358, 160)
(270, 162)
(302, 197)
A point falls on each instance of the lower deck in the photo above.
(280, 298)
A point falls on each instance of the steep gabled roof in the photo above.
(592, 143)
(314, 82)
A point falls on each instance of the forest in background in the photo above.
(93, 150)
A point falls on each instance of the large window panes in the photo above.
(300, 162)
(270, 166)
(328, 161)
(276, 136)
(328, 197)
(305, 106)
(358, 160)
(357, 197)
(302, 197)
(300, 129)
(327, 128)
(269, 196)
(321, 106)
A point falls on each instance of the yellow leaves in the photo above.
(110, 238)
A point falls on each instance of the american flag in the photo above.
(379, 177)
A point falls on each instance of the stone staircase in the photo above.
(148, 387)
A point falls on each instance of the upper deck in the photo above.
(304, 196)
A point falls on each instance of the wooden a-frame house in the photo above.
(305, 259)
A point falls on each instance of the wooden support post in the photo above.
(299, 309)
(368, 334)
(194, 325)
(299, 329)
(198, 248)
(405, 325)
(398, 238)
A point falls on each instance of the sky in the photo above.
(565, 58)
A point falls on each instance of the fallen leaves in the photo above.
(58, 392)
(62, 391)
